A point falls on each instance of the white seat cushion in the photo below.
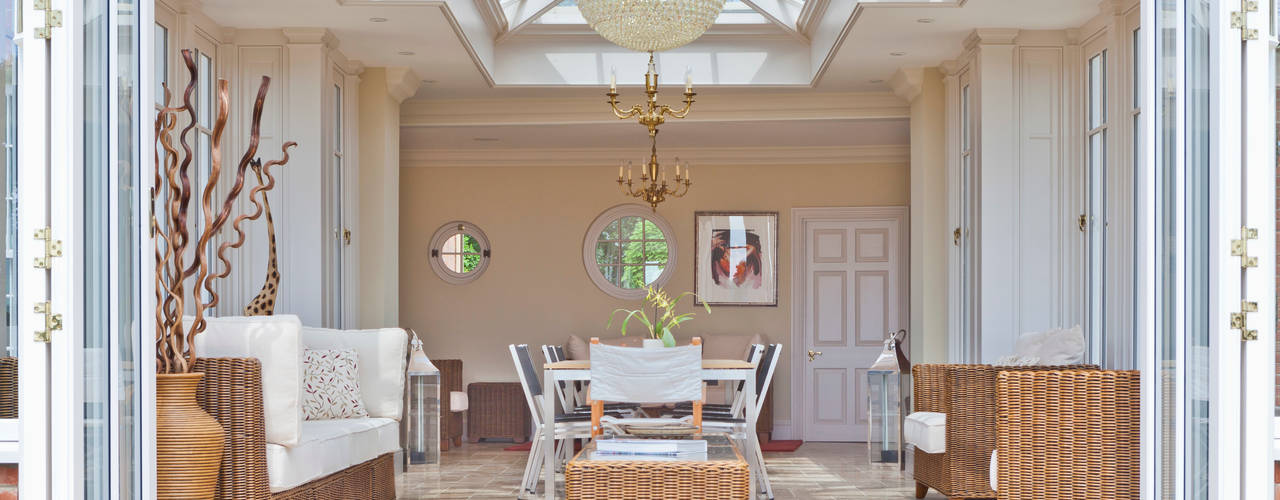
(383, 359)
(927, 431)
(992, 470)
(328, 446)
(276, 342)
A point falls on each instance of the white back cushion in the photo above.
(276, 342)
(1062, 347)
(383, 359)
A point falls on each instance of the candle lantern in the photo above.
(424, 407)
(885, 403)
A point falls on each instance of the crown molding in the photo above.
(608, 157)
(402, 83)
(712, 108)
(991, 36)
(907, 83)
(320, 36)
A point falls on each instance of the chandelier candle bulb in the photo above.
(653, 188)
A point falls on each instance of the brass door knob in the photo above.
(813, 354)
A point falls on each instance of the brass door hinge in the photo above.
(1083, 222)
(955, 236)
(1240, 321)
(1240, 247)
(52, 18)
(52, 248)
(1240, 20)
(52, 322)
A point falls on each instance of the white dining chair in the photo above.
(566, 427)
(646, 376)
(734, 422)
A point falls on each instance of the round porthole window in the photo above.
(627, 249)
(459, 252)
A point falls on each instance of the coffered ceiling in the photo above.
(517, 48)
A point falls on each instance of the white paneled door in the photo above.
(852, 293)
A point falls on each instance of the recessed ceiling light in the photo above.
(897, 54)
(485, 139)
(377, 19)
(877, 81)
(925, 20)
(406, 52)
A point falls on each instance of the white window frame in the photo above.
(598, 226)
(1097, 176)
(449, 230)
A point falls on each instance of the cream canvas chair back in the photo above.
(638, 375)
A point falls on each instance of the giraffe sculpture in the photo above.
(265, 303)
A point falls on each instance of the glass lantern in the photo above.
(884, 403)
(424, 408)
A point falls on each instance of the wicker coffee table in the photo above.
(722, 475)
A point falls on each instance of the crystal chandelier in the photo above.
(650, 25)
(653, 187)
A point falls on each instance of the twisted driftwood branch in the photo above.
(174, 340)
(258, 169)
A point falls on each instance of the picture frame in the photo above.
(735, 259)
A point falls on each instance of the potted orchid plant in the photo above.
(664, 318)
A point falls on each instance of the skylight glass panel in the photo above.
(735, 12)
(565, 12)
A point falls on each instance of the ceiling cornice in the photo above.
(907, 83)
(402, 83)
(991, 36)
(608, 157)
(711, 108)
(320, 36)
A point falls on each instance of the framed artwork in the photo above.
(736, 258)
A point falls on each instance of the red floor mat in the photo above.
(781, 445)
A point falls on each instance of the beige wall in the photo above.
(536, 291)
(930, 236)
(376, 245)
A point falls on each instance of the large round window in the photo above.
(459, 252)
(628, 248)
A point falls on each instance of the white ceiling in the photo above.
(456, 53)
(459, 52)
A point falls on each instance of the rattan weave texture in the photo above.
(9, 387)
(450, 421)
(231, 391)
(497, 410)
(1069, 434)
(657, 480)
(967, 394)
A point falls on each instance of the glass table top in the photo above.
(719, 449)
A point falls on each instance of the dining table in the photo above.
(712, 370)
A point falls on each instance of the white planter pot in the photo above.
(652, 343)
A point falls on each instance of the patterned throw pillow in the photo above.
(331, 385)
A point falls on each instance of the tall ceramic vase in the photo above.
(188, 440)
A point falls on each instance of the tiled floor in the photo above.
(816, 470)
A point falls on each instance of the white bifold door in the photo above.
(1206, 254)
(850, 293)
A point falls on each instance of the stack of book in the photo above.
(680, 449)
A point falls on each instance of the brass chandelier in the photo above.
(653, 187)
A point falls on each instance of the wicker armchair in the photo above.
(967, 395)
(450, 421)
(8, 387)
(1068, 434)
(231, 391)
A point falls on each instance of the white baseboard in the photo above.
(782, 430)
